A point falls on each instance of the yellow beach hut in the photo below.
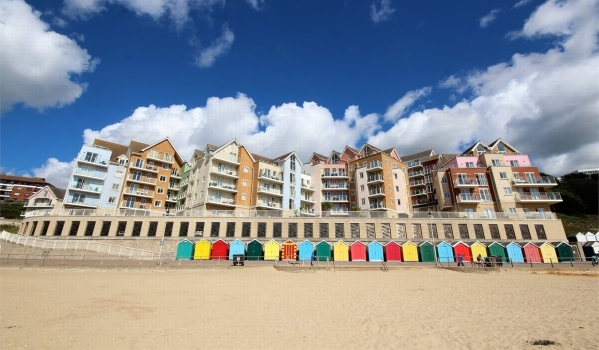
(548, 254)
(477, 248)
(272, 250)
(410, 251)
(202, 250)
(340, 251)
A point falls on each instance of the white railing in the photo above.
(92, 246)
(289, 213)
(538, 197)
(141, 179)
(543, 180)
(225, 171)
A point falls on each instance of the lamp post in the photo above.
(430, 229)
(162, 240)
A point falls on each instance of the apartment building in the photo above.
(494, 178)
(19, 188)
(421, 169)
(330, 180)
(47, 198)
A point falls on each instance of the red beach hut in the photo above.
(289, 251)
(531, 252)
(392, 251)
(463, 249)
(357, 251)
(220, 250)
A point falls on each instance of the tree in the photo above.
(356, 208)
(326, 206)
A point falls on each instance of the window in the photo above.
(18, 187)
(443, 180)
(351, 168)
(496, 162)
(16, 194)
(514, 163)
(78, 198)
(469, 165)
(246, 170)
(157, 203)
(160, 190)
(115, 187)
(507, 190)
(363, 201)
(139, 163)
(399, 202)
(361, 174)
(446, 194)
(111, 200)
(353, 192)
(162, 178)
(503, 175)
(362, 188)
(395, 174)
(243, 196)
(245, 183)
(513, 211)
(165, 166)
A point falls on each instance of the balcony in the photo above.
(93, 174)
(87, 202)
(338, 212)
(184, 183)
(176, 174)
(141, 179)
(40, 204)
(336, 186)
(99, 161)
(414, 164)
(336, 198)
(420, 202)
(172, 186)
(224, 171)
(307, 186)
(224, 187)
(543, 181)
(172, 199)
(418, 193)
(264, 176)
(271, 191)
(376, 193)
(469, 183)
(417, 183)
(415, 173)
(469, 198)
(231, 158)
(374, 166)
(271, 205)
(372, 179)
(148, 168)
(378, 206)
(307, 199)
(221, 201)
(134, 205)
(95, 189)
(139, 192)
(161, 157)
(334, 175)
(541, 197)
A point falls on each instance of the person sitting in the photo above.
(479, 260)
(594, 260)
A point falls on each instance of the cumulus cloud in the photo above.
(219, 47)
(55, 172)
(490, 17)
(545, 104)
(382, 12)
(40, 73)
(400, 107)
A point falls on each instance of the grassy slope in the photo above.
(579, 223)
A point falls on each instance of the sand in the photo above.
(261, 308)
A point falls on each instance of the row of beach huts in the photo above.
(589, 243)
(408, 251)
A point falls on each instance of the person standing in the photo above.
(594, 260)
(313, 259)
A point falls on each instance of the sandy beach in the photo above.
(262, 308)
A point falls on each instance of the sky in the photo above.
(305, 76)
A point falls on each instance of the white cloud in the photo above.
(256, 4)
(490, 17)
(55, 172)
(382, 13)
(219, 47)
(521, 3)
(39, 74)
(545, 104)
(400, 107)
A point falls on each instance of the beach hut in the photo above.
(410, 251)
(185, 250)
(375, 251)
(564, 251)
(220, 250)
(475, 249)
(532, 254)
(581, 237)
(254, 251)
(427, 253)
(272, 250)
(496, 249)
(590, 237)
(548, 254)
(202, 250)
(306, 248)
(392, 251)
(289, 251)
(236, 247)
(340, 251)
(589, 249)
(445, 252)
(323, 251)
(461, 248)
(514, 253)
(357, 251)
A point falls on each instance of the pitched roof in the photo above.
(116, 149)
(136, 147)
(284, 156)
(471, 148)
(260, 158)
(38, 180)
(58, 192)
(418, 155)
(199, 153)
(492, 144)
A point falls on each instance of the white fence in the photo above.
(109, 249)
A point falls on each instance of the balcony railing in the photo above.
(418, 193)
(307, 186)
(539, 197)
(86, 188)
(415, 173)
(265, 204)
(375, 178)
(232, 158)
(270, 190)
(176, 174)
(414, 164)
(223, 201)
(134, 205)
(224, 171)
(469, 198)
(173, 186)
(543, 181)
(307, 199)
(141, 179)
(88, 202)
(223, 186)
(94, 160)
(161, 157)
(374, 166)
(90, 173)
(270, 177)
(139, 192)
(335, 198)
(378, 206)
(342, 186)
(39, 204)
(171, 199)
(149, 168)
(339, 174)
(461, 182)
(417, 183)
(377, 192)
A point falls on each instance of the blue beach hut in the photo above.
(306, 248)
(445, 252)
(375, 251)
(185, 250)
(236, 247)
(514, 253)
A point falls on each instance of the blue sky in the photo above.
(309, 76)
